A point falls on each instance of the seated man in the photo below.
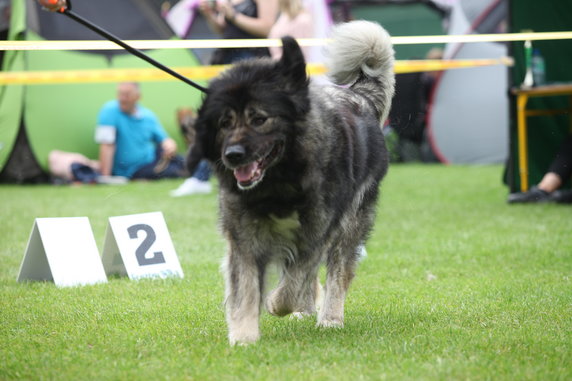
(132, 141)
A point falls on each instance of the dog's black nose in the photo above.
(235, 153)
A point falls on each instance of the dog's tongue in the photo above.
(246, 173)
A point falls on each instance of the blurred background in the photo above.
(461, 116)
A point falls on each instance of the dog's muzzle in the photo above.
(235, 154)
(247, 172)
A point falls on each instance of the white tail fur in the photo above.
(360, 47)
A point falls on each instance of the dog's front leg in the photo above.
(243, 293)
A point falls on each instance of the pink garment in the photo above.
(299, 27)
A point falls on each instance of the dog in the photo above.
(299, 168)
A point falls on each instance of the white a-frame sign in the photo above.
(140, 246)
(62, 250)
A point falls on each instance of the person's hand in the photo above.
(169, 147)
(208, 7)
(227, 9)
(53, 5)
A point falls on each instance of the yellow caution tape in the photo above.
(411, 66)
(203, 73)
(255, 43)
(103, 75)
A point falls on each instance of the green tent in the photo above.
(36, 119)
(545, 133)
(399, 17)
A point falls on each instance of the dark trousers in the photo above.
(162, 169)
(562, 164)
(173, 168)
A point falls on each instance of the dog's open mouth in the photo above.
(249, 175)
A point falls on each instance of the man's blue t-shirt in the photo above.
(135, 136)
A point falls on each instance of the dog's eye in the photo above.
(258, 121)
(225, 123)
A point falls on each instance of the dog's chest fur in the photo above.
(287, 227)
(276, 237)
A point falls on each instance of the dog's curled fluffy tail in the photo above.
(362, 48)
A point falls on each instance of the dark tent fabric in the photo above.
(399, 17)
(545, 133)
(63, 116)
(126, 19)
(408, 111)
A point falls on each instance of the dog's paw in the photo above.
(243, 332)
(276, 306)
(277, 310)
(330, 323)
(299, 315)
(242, 339)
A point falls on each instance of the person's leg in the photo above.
(171, 169)
(550, 182)
(162, 168)
(197, 183)
(203, 171)
(145, 172)
(559, 171)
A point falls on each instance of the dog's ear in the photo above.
(292, 62)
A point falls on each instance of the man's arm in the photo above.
(106, 154)
(169, 147)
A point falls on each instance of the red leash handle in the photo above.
(54, 5)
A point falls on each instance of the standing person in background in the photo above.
(239, 19)
(233, 19)
(294, 21)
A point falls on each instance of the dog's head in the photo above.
(248, 119)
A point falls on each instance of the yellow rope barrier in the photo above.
(251, 43)
(203, 73)
(208, 72)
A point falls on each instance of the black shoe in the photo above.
(562, 196)
(535, 194)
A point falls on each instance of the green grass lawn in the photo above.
(457, 285)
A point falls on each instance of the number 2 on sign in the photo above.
(144, 247)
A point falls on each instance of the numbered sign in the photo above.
(62, 250)
(140, 246)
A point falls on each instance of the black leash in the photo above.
(136, 52)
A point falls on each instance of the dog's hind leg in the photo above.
(297, 291)
(340, 272)
(244, 283)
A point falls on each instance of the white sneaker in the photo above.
(362, 252)
(192, 186)
(111, 180)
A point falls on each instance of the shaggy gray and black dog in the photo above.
(299, 168)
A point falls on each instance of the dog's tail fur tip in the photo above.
(360, 47)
